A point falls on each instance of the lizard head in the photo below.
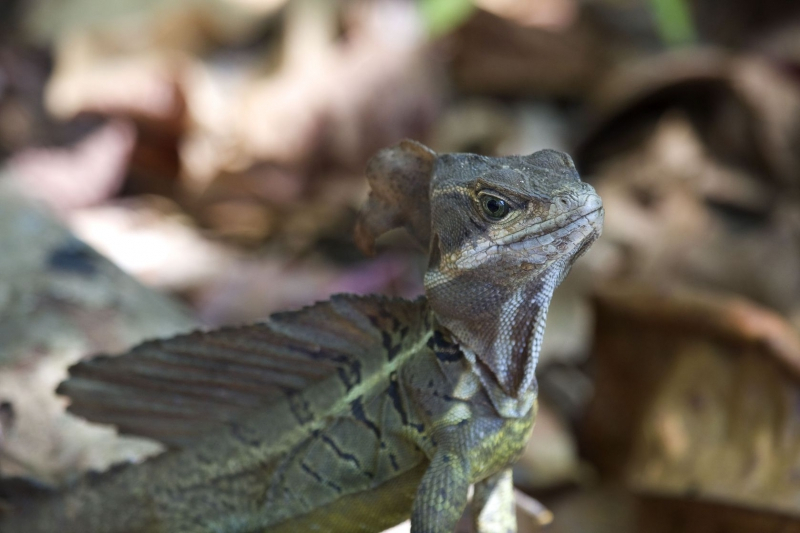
(502, 233)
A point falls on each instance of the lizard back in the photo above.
(267, 422)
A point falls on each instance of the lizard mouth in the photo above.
(541, 241)
(588, 217)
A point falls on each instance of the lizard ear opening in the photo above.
(399, 179)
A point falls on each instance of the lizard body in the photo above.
(353, 414)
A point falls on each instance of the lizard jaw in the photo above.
(582, 227)
(589, 213)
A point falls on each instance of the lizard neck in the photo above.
(499, 327)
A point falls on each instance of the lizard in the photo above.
(353, 414)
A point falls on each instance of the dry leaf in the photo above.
(498, 57)
(697, 176)
(696, 397)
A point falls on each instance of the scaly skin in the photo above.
(411, 402)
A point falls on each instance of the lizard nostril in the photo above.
(563, 203)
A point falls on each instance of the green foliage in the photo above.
(674, 21)
(443, 16)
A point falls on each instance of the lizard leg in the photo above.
(493, 507)
(442, 494)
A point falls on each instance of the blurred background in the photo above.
(171, 164)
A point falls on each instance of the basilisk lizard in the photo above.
(352, 414)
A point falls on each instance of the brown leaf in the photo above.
(697, 178)
(696, 397)
(498, 57)
(663, 514)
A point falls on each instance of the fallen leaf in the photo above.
(695, 397)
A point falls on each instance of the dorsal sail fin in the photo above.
(176, 389)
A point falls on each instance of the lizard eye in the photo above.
(494, 207)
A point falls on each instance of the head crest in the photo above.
(399, 179)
